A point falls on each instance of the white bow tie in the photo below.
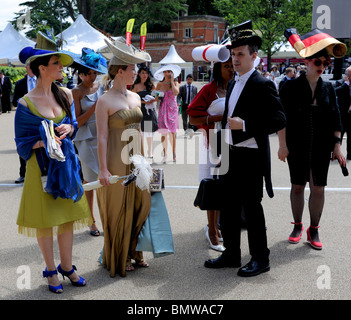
(237, 78)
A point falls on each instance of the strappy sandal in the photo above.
(129, 266)
(142, 263)
(94, 233)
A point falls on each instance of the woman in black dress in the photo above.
(143, 87)
(312, 134)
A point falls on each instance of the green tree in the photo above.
(202, 7)
(270, 18)
(44, 16)
(109, 16)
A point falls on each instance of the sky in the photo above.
(7, 11)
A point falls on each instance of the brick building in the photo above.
(187, 33)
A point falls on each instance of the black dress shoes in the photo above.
(20, 180)
(253, 268)
(221, 262)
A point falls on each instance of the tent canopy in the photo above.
(172, 57)
(11, 43)
(81, 34)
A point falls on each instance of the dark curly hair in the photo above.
(148, 83)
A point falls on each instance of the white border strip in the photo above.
(277, 188)
(196, 187)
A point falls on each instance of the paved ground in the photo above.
(297, 271)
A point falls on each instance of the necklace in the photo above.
(123, 92)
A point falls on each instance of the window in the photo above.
(188, 33)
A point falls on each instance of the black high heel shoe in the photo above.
(80, 283)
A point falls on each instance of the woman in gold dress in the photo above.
(123, 210)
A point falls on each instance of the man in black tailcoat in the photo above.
(252, 112)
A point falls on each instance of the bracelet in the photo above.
(337, 140)
(283, 147)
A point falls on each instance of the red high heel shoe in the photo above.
(295, 240)
(314, 244)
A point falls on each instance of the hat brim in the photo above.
(65, 59)
(78, 62)
(172, 67)
(254, 40)
(127, 54)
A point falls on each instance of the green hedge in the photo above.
(14, 74)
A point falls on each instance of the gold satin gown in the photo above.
(123, 210)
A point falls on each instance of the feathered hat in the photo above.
(89, 59)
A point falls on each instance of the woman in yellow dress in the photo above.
(62, 207)
(123, 210)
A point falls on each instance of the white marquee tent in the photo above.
(172, 57)
(81, 34)
(11, 43)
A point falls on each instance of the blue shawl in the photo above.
(63, 177)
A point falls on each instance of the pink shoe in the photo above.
(314, 244)
(295, 240)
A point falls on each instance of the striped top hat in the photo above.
(314, 41)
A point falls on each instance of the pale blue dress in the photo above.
(86, 139)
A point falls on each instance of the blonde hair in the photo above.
(111, 74)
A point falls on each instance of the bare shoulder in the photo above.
(23, 102)
(68, 93)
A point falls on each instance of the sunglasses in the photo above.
(319, 62)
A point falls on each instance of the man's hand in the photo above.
(235, 123)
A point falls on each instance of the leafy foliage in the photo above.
(269, 17)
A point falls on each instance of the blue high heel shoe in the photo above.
(53, 289)
(79, 283)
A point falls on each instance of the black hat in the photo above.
(243, 34)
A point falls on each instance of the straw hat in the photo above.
(172, 67)
(124, 54)
(44, 47)
(243, 34)
(313, 42)
(89, 59)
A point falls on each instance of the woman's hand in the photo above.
(283, 153)
(104, 177)
(337, 154)
(63, 130)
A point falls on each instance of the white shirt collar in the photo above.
(245, 76)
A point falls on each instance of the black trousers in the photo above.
(244, 191)
(6, 103)
(22, 170)
(346, 124)
(185, 116)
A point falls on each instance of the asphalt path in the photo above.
(298, 272)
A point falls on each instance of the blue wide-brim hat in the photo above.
(89, 59)
(45, 46)
(28, 54)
